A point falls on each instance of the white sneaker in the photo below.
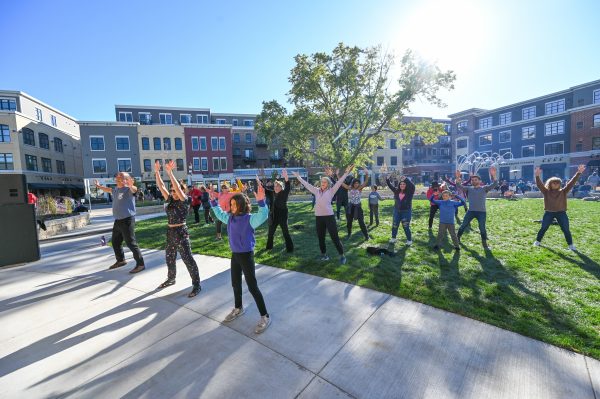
(234, 314)
(572, 247)
(392, 240)
(263, 323)
(408, 242)
(536, 244)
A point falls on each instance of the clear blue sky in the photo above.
(83, 57)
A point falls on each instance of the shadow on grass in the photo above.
(586, 263)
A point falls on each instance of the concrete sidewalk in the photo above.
(72, 328)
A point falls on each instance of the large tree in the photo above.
(346, 103)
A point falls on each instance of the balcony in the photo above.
(276, 158)
(249, 158)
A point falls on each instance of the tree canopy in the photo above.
(346, 103)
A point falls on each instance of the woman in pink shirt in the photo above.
(325, 219)
(224, 199)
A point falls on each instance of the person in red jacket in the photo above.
(33, 200)
(196, 196)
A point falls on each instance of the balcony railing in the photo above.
(249, 158)
(276, 158)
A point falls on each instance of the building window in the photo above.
(97, 143)
(204, 164)
(99, 166)
(234, 122)
(249, 138)
(44, 141)
(166, 144)
(203, 145)
(124, 164)
(195, 144)
(579, 147)
(579, 125)
(248, 122)
(379, 161)
(462, 126)
(528, 133)
(122, 143)
(485, 139)
(185, 118)
(237, 152)
(222, 145)
(125, 117)
(196, 164)
(236, 138)
(485, 123)
(47, 165)
(214, 143)
(6, 161)
(178, 144)
(179, 163)
(28, 136)
(58, 145)
(147, 165)
(505, 118)
(463, 143)
(528, 151)
(597, 96)
(156, 141)
(165, 119)
(38, 114)
(554, 107)
(8, 104)
(53, 120)
(223, 163)
(504, 151)
(60, 167)
(528, 113)
(393, 161)
(4, 134)
(444, 152)
(220, 121)
(448, 128)
(597, 120)
(215, 165)
(595, 143)
(553, 128)
(202, 119)
(145, 144)
(393, 144)
(554, 148)
(249, 153)
(504, 137)
(145, 118)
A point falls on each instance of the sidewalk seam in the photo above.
(590, 376)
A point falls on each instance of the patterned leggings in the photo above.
(178, 239)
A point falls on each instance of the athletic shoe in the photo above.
(324, 257)
(137, 269)
(485, 244)
(263, 323)
(234, 314)
(572, 247)
(409, 242)
(392, 241)
(117, 264)
(536, 244)
(343, 260)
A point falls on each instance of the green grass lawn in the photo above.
(547, 293)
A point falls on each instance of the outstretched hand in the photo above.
(581, 169)
(349, 169)
(170, 166)
(157, 166)
(284, 174)
(538, 171)
(493, 172)
(296, 174)
(96, 183)
(260, 191)
(457, 174)
(211, 193)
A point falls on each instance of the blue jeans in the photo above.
(404, 218)
(563, 222)
(470, 215)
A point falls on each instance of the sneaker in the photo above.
(485, 244)
(263, 323)
(324, 257)
(137, 269)
(234, 314)
(572, 247)
(409, 243)
(343, 260)
(536, 244)
(117, 264)
(392, 241)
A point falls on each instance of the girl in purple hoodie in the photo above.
(240, 230)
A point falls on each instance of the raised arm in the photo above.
(366, 182)
(256, 219)
(103, 188)
(494, 182)
(219, 213)
(179, 193)
(389, 184)
(337, 184)
(159, 181)
(306, 185)
(538, 180)
(574, 179)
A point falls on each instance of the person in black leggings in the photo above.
(278, 215)
(178, 237)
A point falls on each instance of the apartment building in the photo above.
(42, 143)
(161, 143)
(209, 152)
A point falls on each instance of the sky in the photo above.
(83, 57)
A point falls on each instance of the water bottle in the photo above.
(102, 241)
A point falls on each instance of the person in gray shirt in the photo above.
(477, 194)
(123, 209)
